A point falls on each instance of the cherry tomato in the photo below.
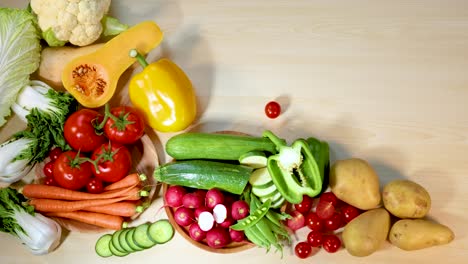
(125, 125)
(306, 204)
(95, 186)
(330, 197)
(349, 212)
(314, 238)
(334, 222)
(272, 109)
(324, 209)
(331, 243)
(113, 162)
(79, 130)
(71, 171)
(55, 153)
(297, 221)
(303, 249)
(49, 169)
(50, 181)
(314, 222)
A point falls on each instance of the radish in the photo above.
(174, 195)
(184, 216)
(219, 213)
(200, 210)
(239, 210)
(200, 192)
(218, 237)
(213, 197)
(296, 221)
(192, 200)
(206, 221)
(236, 235)
(196, 233)
(228, 222)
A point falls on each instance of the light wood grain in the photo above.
(381, 80)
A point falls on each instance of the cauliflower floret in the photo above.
(75, 21)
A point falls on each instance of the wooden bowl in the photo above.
(144, 160)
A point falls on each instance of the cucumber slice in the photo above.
(130, 241)
(278, 203)
(161, 231)
(254, 159)
(123, 241)
(102, 246)
(116, 252)
(264, 192)
(261, 178)
(141, 238)
(275, 196)
(115, 240)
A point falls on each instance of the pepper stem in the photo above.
(279, 142)
(135, 54)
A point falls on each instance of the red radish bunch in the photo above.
(207, 214)
(324, 217)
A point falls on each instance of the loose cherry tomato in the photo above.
(297, 220)
(349, 212)
(80, 132)
(272, 109)
(331, 243)
(94, 186)
(324, 209)
(50, 181)
(334, 222)
(124, 125)
(113, 162)
(314, 238)
(303, 249)
(314, 222)
(306, 204)
(71, 171)
(49, 169)
(55, 153)
(330, 197)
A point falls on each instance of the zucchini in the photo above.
(123, 241)
(261, 178)
(141, 238)
(215, 146)
(254, 159)
(117, 252)
(131, 242)
(161, 231)
(102, 247)
(204, 174)
(115, 240)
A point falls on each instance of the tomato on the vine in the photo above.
(331, 243)
(272, 109)
(303, 249)
(71, 170)
(123, 124)
(306, 204)
(112, 162)
(80, 132)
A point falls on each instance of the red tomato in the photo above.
(314, 222)
(54, 153)
(303, 249)
(306, 204)
(70, 171)
(125, 125)
(334, 222)
(95, 186)
(113, 162)
(79, 130)
(297, 220)
(349, 213)
(272, 109)
(49, 169)
(315, 238)
(324, 209)
(331, 243)
(329, 197)
(50, 181)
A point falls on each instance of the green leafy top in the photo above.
(12, 201)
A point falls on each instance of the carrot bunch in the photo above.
(108, 209)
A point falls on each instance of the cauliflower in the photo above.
(79, 22)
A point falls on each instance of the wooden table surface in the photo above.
(385, 81)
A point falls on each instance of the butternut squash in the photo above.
(92, 78)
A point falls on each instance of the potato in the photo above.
(413, 234)
(406, 199)
(354, 181)
(366, 233)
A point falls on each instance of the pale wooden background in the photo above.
(381, 80)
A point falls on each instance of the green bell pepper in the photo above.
(294, 169)
(321, 152)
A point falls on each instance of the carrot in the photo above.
(125, 209)
(135, 196)
(129, 180)
(52, 205)
(55, 192)
(113, 222)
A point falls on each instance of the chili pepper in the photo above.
(164, 94)
(294, 169)
(254, 217)
(321, 152)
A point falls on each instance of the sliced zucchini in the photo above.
(261, 178)
(254, 159)
(278, 203)
(264, 191)
(141, 238)
(116, 252)
(115, 240)
(123, 241)
(161, 231)
(102, 246)
(275, 196)
(130, 241)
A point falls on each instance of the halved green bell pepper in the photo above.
(321, 151)
(294, 169)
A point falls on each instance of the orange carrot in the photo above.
(52, 205)
(129, 180)
(125, 209)
(54, 192)
(113, 222)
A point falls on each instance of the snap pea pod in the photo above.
(254, 217)
(253, 234)
(268, 234)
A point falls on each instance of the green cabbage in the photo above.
(20, 53)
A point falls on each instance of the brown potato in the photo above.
(406, 199)
(366, 233)
(355, 182)
(413, 234)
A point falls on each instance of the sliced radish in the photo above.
(219, 213)
(205, 221)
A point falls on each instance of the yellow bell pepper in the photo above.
(164, 94)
